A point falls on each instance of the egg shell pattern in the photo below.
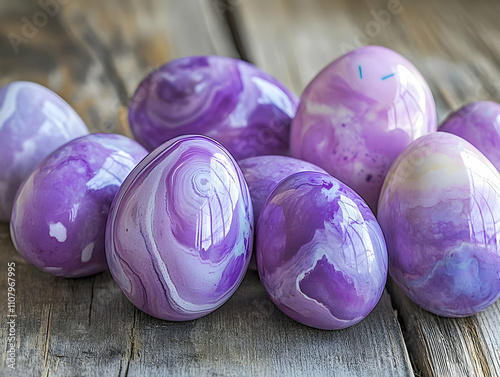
(263, 173)
(179, 235)
(359, 113)
(232, 101)
(440, 212)
(479, 124)
(60, 213)
(34, 122)
(321, 254)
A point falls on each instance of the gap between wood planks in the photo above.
(227, 7)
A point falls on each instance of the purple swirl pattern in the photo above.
(359, 114)
(179, 234)
(321, 254)
(229, 100)
(479, 124)
(263, 173)
(34, 121)
(59, 216)
(440, 212)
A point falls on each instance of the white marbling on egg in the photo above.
(87, 252)
(58, 231)
(120, 163)
(52, 270)
(56, 116)
(24, 155)
(272, 94)
(9, 104)
(218, 163)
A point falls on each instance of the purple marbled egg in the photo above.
(440, 212)
(263, 173)
(232, 101)
(60, 212)
(359, 114)
(179, 234)
(479, 124)
(34, 122)
(320, 252)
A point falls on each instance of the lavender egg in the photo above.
(440, 212)
(179, 234)
(34, 121)
(60, 212)
(320, 252)
(263, 173)
(479, 124)
(359, 113)
(232, 101)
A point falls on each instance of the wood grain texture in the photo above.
(94, 53)
(454, 43)
(76, 327)
(455, 46)
(449, 347)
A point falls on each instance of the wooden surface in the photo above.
(81, 327)
(456, 46)
(94, 53)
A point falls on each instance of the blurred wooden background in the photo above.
(94, 53)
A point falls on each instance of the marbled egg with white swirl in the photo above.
(236, 103)
(440, 212)
(60, 212)
(34, 122)
(263, 173)
(179, 234)
(321, 254)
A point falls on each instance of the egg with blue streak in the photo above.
(359, 113)
(440, 212)
(179, 234)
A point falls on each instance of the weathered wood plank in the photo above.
(77, 327)
(455, 46)
(449, 347)
(249, 336)
(94, 53)
(64, 326)
(69, 329)
(453, 43)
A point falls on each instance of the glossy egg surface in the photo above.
(227, 99)
(479, 124)
(179, 235)
(34, 122)
(60, 213)
(359, 113)
(440, 213)
(263, 173)
(321, 254)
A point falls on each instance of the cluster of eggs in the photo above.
(323, 195)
